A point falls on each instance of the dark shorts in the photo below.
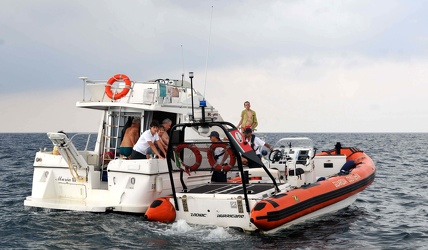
(219, 176)
(137, 155)
(126, 151)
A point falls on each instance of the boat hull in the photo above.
(284, 208)
(130, 187)
(270, 210)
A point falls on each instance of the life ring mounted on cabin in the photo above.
(213, 161)
(113, 79)
(196, 152)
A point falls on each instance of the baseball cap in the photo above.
(214, 133)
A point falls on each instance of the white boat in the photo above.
(293, 185)
(67, 178)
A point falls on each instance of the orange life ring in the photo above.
(213, 162)
(121, 94)
(196, 152)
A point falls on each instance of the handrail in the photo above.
(160, 93)
(87, 140)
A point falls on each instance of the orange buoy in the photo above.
(161, 210)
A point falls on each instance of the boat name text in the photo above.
(66, 179)
(239, 216)
(352, 177)
(198, 215)
(340, 182)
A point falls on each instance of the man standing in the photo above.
(220, 156)
(248, 118)
(130, 138)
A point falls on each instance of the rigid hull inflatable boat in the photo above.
(98, 179)
(294, 184)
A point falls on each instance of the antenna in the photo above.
(182, 59)
(208, 50)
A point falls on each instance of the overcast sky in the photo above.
(305, 66)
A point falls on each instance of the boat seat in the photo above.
(259, 175)
(299, 172)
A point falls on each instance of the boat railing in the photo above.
(157, 92)
(81, 145)
(80, 142)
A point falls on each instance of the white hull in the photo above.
(132, 185)
(71, 179)
(221, 210)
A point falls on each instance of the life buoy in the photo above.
(112, 80)
(196, 152)
(213, 162)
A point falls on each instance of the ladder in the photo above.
(111, 138)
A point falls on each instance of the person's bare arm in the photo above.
(161, 146)
(155, 150)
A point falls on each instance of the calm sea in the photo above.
(391, 214)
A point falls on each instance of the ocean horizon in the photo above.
(390, 214)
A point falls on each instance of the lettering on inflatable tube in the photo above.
(340, 182)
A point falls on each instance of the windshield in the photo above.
(301, 142)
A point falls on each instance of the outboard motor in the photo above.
(337, 147)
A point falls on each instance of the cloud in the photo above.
(304, 65)
(356, 94)
(46, 111)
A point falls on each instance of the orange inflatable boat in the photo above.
(290, 185)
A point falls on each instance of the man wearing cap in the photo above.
(255, 142)
(220, 155)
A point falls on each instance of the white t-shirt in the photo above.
(218, 153)
(142, 144)
(258, 144)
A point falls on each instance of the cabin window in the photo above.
(328, 165)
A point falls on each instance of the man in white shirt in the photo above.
(255, 142)
(147, 142)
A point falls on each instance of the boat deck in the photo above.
(231, 188)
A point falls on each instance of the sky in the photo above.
(305, 66)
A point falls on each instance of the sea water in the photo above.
(392, 213)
